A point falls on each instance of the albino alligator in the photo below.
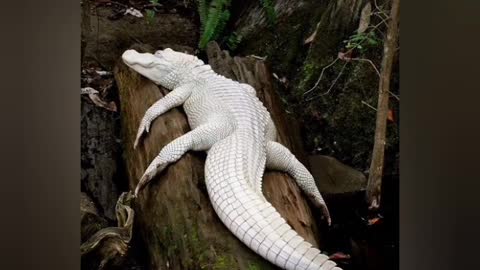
(232, 125)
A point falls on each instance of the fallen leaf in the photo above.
(390, 116)
(88, 90)
(103, 73)
(134, 12)
(111, 106)
(339, 256)
(374, 221)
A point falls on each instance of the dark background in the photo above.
(40, 135)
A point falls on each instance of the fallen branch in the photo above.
(112, 242)
(321, 75)
(331, 86)
(368, 105)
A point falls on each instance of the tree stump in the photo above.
(174, 215)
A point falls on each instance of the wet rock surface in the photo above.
(333, 177)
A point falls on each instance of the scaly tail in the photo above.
(255, 222)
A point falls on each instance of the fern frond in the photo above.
(233, 41)
(210, 25)
(214, 22)
(269, 11)
(203, 12)
(222, 22)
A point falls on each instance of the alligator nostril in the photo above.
(128, 56)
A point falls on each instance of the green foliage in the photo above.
(222, 22)
(233, 40)
(203, 12)
(214, 16)
(213, 20)
(269, 10)
(362, 41)
(224, 263)
(151, 12)
(253, 266)
(150, 16)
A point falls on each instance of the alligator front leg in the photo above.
(200, 139)
(280, 158)
(175, 98)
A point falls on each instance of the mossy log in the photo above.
(174, 215)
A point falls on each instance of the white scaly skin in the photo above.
(232, 125)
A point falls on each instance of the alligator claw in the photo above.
(147, 177)
(326, 214)
(144, 128)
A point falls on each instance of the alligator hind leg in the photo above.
(280, 158)
(199, 139)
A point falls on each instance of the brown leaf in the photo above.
(390, 116)
(339, 256)
(374, 221)
(88, 90)
(111, 106)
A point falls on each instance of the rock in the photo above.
(334, 177)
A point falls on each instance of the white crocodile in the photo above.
(229, 122)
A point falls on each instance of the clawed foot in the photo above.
(326, 213)
(144, 128)
(149, 174)
(323, 207)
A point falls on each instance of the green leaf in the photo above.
(150, 15)
(372, 41)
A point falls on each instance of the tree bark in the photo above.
(174, 215)
(100, 156)
(376, 166)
